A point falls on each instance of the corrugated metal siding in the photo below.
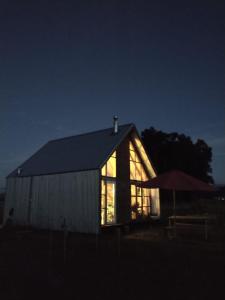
(9, 198)
(17, 197)
(72, 196)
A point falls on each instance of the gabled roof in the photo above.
(76, 153)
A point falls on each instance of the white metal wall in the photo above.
(17, 194)
(73, 197)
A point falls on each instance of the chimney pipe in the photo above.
(115, 124)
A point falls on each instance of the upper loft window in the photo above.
(109, 168)
(143, 155)
(137, 171)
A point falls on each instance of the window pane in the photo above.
(138, 191)
(137, 159)
(145, 210)
(144, 192)
(146, 201)
(110, 202)
(133, 190)
(131, 146)
(114, 154)
(133, 201)
(111, 167)
(139, 202)
(104, 170)
(143, 155)
(132, 155)
(138, 171)
(103, 216)
(110, 215)
(110, 192)
(103, 187)
(143, 175)
(103, 201)
(132, 170)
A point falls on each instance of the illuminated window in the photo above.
(146, 196)
(137, 171)
(108, 195)
(109, 169)
(143, 155)
(108, 191)
(140, 202)
(103, 202)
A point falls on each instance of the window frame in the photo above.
(106, 166)
(139, 197)
(135, 162)
(135, 195)
(113, 181)
(108, 179)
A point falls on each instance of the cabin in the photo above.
(84, 182)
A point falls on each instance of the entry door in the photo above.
(110, 202)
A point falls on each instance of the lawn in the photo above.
(146, 264)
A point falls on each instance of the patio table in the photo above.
(191, 221)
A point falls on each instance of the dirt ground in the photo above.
(143, 264)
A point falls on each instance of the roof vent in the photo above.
(115, 124)
(19, 171)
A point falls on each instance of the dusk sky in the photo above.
(66, 67)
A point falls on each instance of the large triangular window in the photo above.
(137, 144)
(140, 171)
(137, 171)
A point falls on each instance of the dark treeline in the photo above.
(177, 151)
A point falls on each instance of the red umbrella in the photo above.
(178, 181)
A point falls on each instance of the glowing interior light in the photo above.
(137, 171)
(144, 155)
(109, 169)
(108, 191)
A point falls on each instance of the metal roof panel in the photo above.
(81, 152)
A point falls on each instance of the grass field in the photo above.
(145, 264)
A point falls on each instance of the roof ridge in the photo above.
(88, 133)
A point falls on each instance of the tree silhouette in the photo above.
(177, 151)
